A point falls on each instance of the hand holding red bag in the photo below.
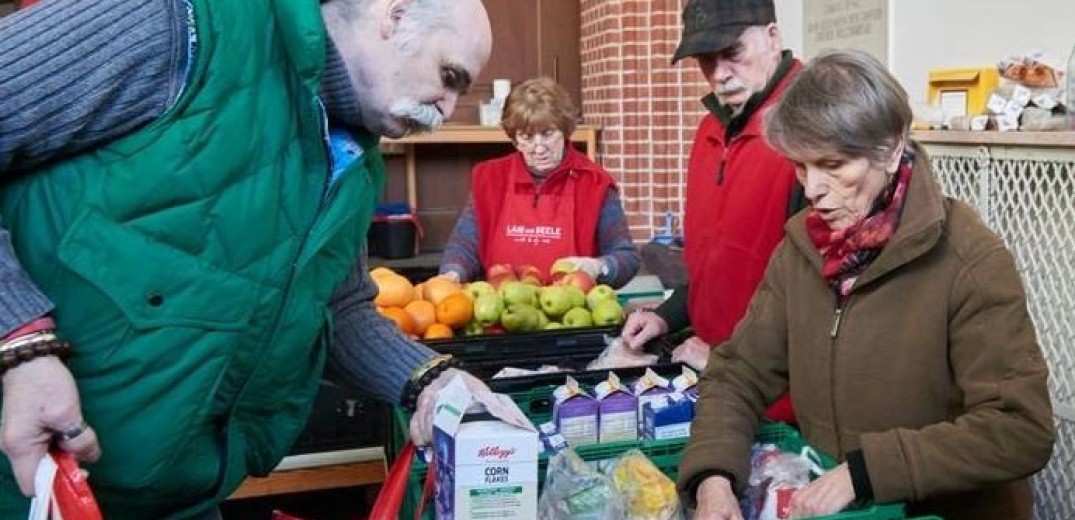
(62, 490)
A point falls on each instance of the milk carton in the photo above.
(686, 383)
(668, 417)
(617, 417)
(575, 413)
(486, 456)
(647, 388)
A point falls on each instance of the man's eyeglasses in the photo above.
(547, 137)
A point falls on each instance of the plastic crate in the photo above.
(485, 355)
(665, 454)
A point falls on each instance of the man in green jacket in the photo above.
(184, 188)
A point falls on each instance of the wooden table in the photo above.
(317, 471)
(470, 134)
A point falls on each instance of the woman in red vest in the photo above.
(544, 202)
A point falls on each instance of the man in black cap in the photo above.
(739, 191)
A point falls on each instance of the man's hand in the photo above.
(716, 500)
(694, 352)
(827, 495)
(422, 420)
(641, 327)
(41, 405)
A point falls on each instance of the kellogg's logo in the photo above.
(495, 452)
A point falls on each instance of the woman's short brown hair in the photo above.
(537, 104)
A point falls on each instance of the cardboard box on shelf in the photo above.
(962, 92)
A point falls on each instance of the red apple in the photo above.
(529, 274)
(577, 278)
(499, 274)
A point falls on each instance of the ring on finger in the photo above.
(69, 434)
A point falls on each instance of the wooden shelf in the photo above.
(469, 134)
(1037, 139)
(290, 479)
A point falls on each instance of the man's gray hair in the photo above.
(844, 101)
(418, 20)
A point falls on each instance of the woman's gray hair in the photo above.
(843, 101)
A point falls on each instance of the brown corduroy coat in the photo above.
(931, 368)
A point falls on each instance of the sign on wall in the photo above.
(859, 24)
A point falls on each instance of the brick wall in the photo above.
(647, 109)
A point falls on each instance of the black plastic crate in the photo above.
(342, 419)
(485, 355)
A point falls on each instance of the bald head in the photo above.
(409, 60)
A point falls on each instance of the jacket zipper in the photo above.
(834, 333)
(327, 191)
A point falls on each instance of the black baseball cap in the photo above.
(714, 25)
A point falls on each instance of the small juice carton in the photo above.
(668, 417)
(575, 413)
(617, 411)
(486, 456)
(686, 383)
(647, 388)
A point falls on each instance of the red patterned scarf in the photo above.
(847, 253)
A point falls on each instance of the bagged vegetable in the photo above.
(648, 493)
(575, 491)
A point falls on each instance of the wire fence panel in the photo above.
(1027, 196)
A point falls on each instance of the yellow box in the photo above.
(962, 92)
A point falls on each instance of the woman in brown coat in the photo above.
(895, 317)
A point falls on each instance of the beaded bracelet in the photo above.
(423, 376)
(17, 355)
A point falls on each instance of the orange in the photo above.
(437, 288)
(378, 272)
(393, 291)
(438, 331)
(403, 321)
(455, 310)
(423, 314)
(419, 291)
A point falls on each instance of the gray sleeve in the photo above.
(76, 74)
(73, 75)
(368, 348)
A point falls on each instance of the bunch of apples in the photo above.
(522, 298)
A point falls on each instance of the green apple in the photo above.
(516, 292)
(578, 298)
(562, 266)
(477, 289)
(599, 293)
(607, 312)
(543, 320)
(520, 317)
(577, 317)
(553, 325)
(473, 329)
(487, 309)
(555, 300)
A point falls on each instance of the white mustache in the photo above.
(419, 116)
(732, 85)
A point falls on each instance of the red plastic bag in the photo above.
(394, 489)
(62, 490)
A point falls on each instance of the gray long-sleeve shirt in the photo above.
(77, 74)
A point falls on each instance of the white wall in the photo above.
(932, 34)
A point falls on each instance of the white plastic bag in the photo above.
(616, 355)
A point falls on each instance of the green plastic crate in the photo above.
(665, 454)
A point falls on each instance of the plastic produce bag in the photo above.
(62, 492)
(774, 477)
(575, 491)
(616, 355)
(648, 494)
